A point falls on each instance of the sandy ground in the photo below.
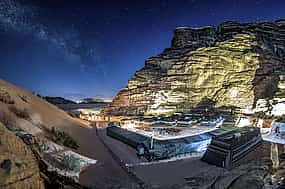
(42, 113)
(126, 153)
(106, 173)
(84, 123)
(172, 174)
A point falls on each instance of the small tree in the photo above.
(63, 138)
(24, 114)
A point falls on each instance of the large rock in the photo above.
(234, 64)
(18, 166)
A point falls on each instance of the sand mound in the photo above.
(30, 112)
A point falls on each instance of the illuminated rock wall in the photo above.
(233, 65)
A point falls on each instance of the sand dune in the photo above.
(42, 114)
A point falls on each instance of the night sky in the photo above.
(86, 48)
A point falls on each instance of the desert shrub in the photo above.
(71, 163)
(24, 114)
(63, 138)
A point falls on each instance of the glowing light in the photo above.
(128, 124)
(242, 122)
(234, 92)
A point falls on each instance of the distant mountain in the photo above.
(93, 101)
(85, 99)
(58, 100)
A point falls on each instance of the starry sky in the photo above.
(90, 48)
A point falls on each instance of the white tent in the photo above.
(277, 133)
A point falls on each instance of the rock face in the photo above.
(250, 176)
(234, 64)
(18, 165)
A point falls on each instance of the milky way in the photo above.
(93, 47)
(23, 18)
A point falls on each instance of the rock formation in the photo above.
(18, 165)
(235, 64)
(25, 119)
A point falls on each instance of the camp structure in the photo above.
(276, 137)
(154, 149)
(228, 149)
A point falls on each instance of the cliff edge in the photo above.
(232, 65)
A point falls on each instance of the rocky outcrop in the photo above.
(250, 176)
(234, 64)
(18, 165)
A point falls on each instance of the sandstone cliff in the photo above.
(235, 64)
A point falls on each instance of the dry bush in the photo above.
(61, 137)
(24, 114)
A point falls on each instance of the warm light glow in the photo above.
(234, 92)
